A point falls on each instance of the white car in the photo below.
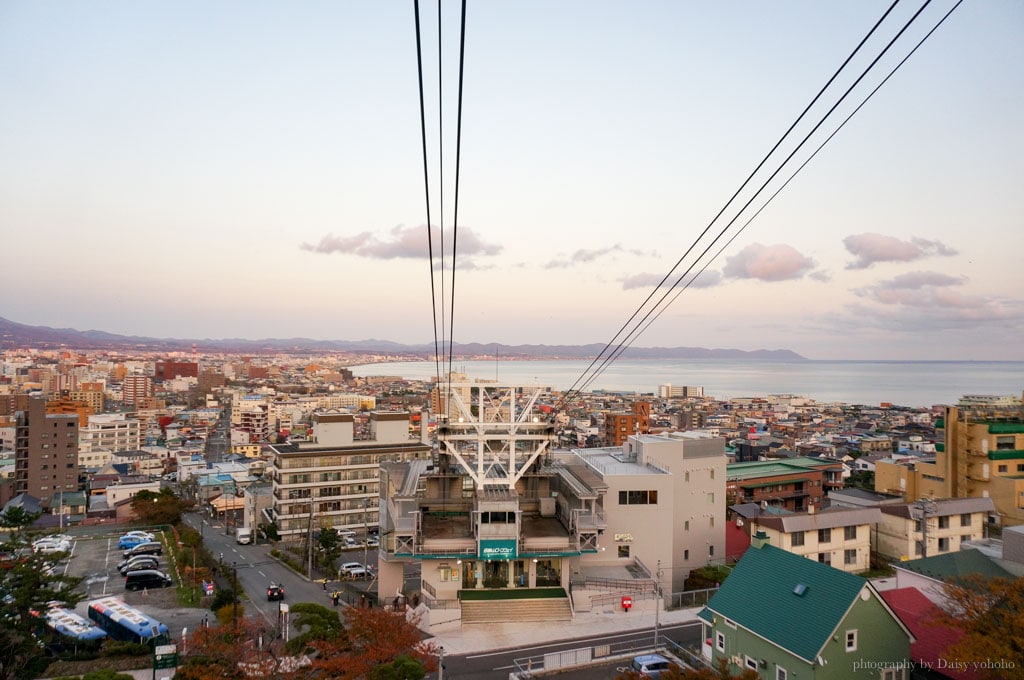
(141, 534)
(349, 566)
(46, 547)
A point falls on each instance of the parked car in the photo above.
(348, 566)
(650, 665)
(138, 562)
(147, 548)
(275, 592)
(360, 573)
(139, 532)
(49, 546)
(130, 541)
(147, 578)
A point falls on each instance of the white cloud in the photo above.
(405, 242)
(869, 248)
(768, 263)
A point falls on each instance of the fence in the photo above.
(692, 598)
(542, 664)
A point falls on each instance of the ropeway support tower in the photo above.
(495, 432)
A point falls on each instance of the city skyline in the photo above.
(232, 170)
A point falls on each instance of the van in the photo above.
(147, 578)
(147, 548)
(243, 536)
(650, 665)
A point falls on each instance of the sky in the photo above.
(229, 169)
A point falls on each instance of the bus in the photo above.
(127, 624)
(72, 625)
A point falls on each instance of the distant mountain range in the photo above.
(16, 335)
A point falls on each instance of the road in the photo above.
(256, 569)
(499, 663)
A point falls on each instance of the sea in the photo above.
(915, 384)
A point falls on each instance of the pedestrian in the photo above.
(334, 597)
(325, 584)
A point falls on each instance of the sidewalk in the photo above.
(481, 637)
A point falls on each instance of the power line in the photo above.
(645, 322)
(426, 186)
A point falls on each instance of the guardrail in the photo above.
(553, 662)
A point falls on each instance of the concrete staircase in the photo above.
(551, 609)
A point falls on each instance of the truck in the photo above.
(243, 536)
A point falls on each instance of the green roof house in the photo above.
(788, 617)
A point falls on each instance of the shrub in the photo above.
(120, 648)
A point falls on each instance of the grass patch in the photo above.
(512, 594)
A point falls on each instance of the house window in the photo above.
(686, 554)
(943, 544)
(796, 539)
(711, 551)
(781, 674)
(851, 640)
(750, 662)
(686, 525)
(1005, 443)
(711, 499)
(824, 535)
(893, 674)
(944, 522)
(825, 558)
(1020, 467)
(720, 641)
(850, 533)
(623, 551)
(965, 538)
(1002, 468)
(965, 519)
(850, 556)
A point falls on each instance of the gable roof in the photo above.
(932, 638)
(760, 595)
(955, 564)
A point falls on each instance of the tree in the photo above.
(317, 622)
(228, 651)
(29, 582)
(159, 508)
(990, 613)
(329, 544)
(373, 638)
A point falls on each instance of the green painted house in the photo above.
(789, 617)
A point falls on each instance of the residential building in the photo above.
(785, 617)
(335, 481)
(839, 537)
(980, 453)
(931, 527)
(931, 574)
(794, 484)
(111, 431)
(137, 390)
(619, 426)
(46, 452)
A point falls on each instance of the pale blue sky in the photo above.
(253, 169)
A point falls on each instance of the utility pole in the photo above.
(309, 539)
(657, 602)
(925, 505)
(440, 663)
(366, 540)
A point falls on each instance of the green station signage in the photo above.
(498, 550)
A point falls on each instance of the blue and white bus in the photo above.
(73, 625)
(125, 623)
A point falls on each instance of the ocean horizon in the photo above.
(917, 384)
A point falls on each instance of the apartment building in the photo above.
(839, 537)
(793, 484)
(334, 481)
(931, 527)
(45, 452)
(137, 390)
(980, 453)
(619, 426)
(112, 432)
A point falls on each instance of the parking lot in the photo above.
(95, 556)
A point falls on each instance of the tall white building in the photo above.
(110, 431)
